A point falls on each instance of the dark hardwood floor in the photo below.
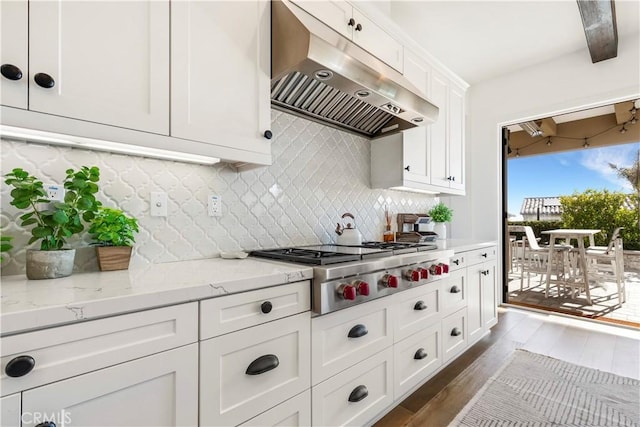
(439, 400)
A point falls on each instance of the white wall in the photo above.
(318, 173)
(568, 83)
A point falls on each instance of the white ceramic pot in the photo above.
(441, 230)
(49, 264)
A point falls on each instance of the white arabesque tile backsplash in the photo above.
(318, 173)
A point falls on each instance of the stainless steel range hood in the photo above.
(319, 74)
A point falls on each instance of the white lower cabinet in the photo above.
(291, 413)
(416, 309)
(454, 334)
(157, 390)
(10, 411)
(245, 373)
(415, 358)
(356, 395)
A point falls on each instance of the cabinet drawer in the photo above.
(458, 261)
(416, 309)
(157, 390)
(294, 412)
(330, 400)
(10, 411)
(229, 394)
(333, 350)
(454, 334)
(415, 358)
(480, 255)
(70, 350)
(454, 292)
(226, 314)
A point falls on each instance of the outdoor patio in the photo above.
(605, 305)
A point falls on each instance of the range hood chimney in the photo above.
(319, 74)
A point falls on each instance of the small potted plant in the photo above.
(112, 232)
(53, 221)
(440, 214)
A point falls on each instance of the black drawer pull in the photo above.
(484, 255)
(20, 366)
(11, 72)
(455, 290)
(268, 134)
(456, 261)
(46, 424)
(456, 332)
(266, 307)
(358, 394)
(263, 364)
(420, 354)
(420, 305)
(358, 331)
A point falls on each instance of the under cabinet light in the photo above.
(413, 190)
(41, 137)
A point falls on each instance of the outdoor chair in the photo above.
(606, 264)
(536, 258)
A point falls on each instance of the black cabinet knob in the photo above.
(268, 134)
(11, 72)
(46, 424)
(407, 168)
(420, 305)
(358, 27)
(484, 255)
(263, 364)
(358, 331)
(420, 354)
(44, 80)
(266, 307)
(351, 22)
(358, 394)
(20, 366)
(456, 261)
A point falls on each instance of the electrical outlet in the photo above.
(55, 192)
(158, 202)
(215, 205)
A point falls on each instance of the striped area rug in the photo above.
(536, 390)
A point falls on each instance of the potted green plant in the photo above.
(53, 221)
(440, 214)
(112, 232)
(5, 245)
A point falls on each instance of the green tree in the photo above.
(602, 210)
(631, 174)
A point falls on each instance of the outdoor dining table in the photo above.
(573, 280)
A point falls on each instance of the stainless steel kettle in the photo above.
(347, 234)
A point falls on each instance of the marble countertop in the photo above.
(32, 304)
(463, 245)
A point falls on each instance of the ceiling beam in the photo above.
(623, 111)
(599, 22)
(548, 127)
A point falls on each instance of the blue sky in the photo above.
(563, 174)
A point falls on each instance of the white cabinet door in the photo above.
(10, 411)
(14, 50)
(158, 390)
(489, 294)
(109, 62)
(334, 13)
(220, 73)
(475, 302)
(295, 412)
(456, 120)
(438, 130)
(378, 42)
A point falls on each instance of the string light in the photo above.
(549, 142)
(623, 129)
(586, 144)
(517, 152)
(633, 120)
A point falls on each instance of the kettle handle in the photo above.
(349, 215)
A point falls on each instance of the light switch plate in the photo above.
(158, 201)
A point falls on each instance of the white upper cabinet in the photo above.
(220, 73)
(438, 131)
(351, 23)
(104, 62)
(14, 50)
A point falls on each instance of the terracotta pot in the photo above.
(50, 264)
(113, 257)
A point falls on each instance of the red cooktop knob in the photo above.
(424, 273)
(347, 292)
(413, 275)
(445, 268)
(436, 269)
(390, 281)
(362, 288)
